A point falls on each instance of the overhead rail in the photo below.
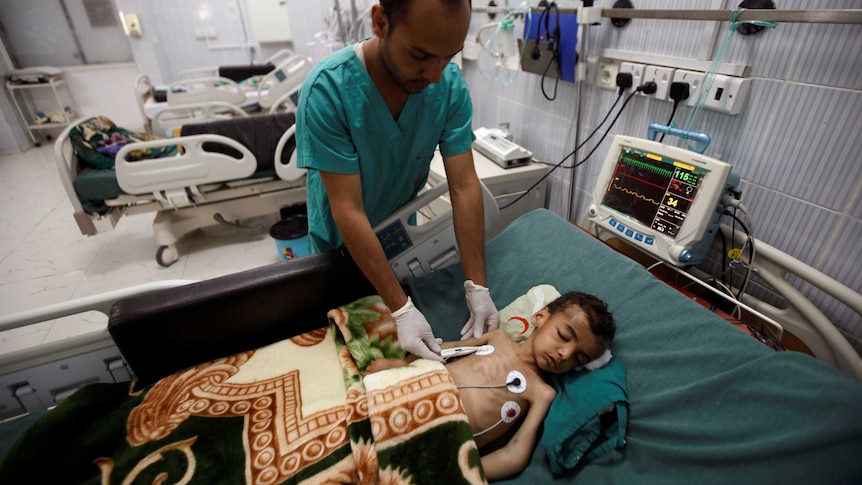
(836, 16)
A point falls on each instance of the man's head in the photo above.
(419, 38)
(571, 331)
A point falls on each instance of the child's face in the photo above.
(564, 341)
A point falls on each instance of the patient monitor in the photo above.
(664, 200)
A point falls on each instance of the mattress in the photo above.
(708, 403)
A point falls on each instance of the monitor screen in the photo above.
(664, 200)
(654, 189)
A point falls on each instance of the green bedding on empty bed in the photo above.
(708, 403)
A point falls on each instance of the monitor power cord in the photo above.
(647, 88)
(679, 92)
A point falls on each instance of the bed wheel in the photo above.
(167, 255)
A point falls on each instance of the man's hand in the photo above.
(415, 334)
(483, 312)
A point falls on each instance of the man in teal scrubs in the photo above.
(370, 117)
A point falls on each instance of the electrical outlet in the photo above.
(606, 75)
(662, 77)
(694, 80)
(637, 72)
(133, 25)
(727, 94)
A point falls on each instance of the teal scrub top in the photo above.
(344, 126)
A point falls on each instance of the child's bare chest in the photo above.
(495, 390)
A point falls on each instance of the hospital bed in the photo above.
(703, 401)
(238, 72)
(229, 170)
(276, 90)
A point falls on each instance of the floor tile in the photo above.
(44, 258)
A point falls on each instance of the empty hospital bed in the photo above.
(222, 170)
(703, 402)
(274, 91)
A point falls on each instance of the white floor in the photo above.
(44, 259)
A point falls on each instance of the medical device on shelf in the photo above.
(416, 250)
(505, 153)
(664, 200)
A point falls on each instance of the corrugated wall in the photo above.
(796, 145)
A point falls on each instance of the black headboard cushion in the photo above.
(165, 331)
(259, 133)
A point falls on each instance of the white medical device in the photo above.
(664, 200)
(462, 351)
(417, 250)
(505, 153)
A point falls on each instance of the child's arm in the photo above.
(514, 456)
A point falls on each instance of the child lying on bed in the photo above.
(508, 384)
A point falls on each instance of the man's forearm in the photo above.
(469, 220)
(366, 251)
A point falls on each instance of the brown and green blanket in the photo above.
(296, 411)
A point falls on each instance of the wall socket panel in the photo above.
(637, 72)
(606, 74)
(662, 77)
(726, 95)
(694, 80)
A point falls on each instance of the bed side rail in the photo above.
(801, 317)
(167, 331)
(197, 165)
(34, 378)
(198, 90)
(197, 73)
(287, 171)
(143, 92)
(67, 168)
(167, 118)
(284, 80)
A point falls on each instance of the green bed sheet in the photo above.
(708, 403)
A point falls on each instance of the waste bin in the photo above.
(291, 237)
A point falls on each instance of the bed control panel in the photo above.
(415, 250)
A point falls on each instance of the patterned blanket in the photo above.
(296, 411)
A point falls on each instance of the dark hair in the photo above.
(396, 10)
(600, 319)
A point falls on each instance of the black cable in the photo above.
(554, 57)
(595, 130)
(750, 250)
(558, 165)
(733, 242)
(679, 91)
(669, 120)
(553, 45)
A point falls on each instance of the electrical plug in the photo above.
(648, 87)
(624, 81)
(679, 91)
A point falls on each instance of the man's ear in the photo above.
(541, 316)
(379, 21)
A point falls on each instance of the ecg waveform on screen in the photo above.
(639, 196)
(649, 167)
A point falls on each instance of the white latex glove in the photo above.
(415, 334)
(483, 312)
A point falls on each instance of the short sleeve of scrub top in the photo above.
(345, 127)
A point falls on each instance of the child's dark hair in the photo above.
(600, 319)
